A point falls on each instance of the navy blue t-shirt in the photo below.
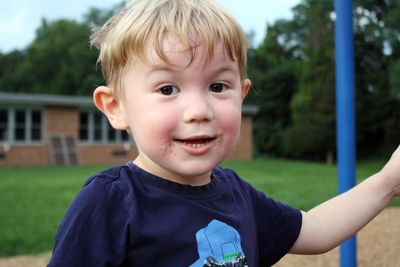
(126, 216)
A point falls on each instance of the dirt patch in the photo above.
(378, 246)
(26, 261)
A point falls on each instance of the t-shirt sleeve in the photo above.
(94, 230)
(278, 227)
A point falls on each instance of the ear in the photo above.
(106, 102)
(246, 88)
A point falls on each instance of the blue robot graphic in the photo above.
(218, 244)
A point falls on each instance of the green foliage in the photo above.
(312, 133)
(67, 64)
(274, 115)
(294, 66)
(11, 73)
(394, 79)
(273, 72)
(97, 17)
(376, 47)
(59, 60)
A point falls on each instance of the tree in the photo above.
(272, 68)
(312, 133)
(376, 55)
(60, 61)
(11, 77)
(97, 17)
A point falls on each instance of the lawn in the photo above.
(34, 199)
(32, 203)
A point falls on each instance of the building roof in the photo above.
(45, 100)
(69, 101)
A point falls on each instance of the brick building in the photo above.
(48, 129)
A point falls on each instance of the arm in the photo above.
(332, 222)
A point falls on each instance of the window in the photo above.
(3, 125)
(22, 125)
(84, 126)
(111, 133)
(36, 126)
(124, 135)
(98, 127)
(95, 128)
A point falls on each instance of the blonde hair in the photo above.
(122, 39)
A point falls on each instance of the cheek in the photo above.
(154, 125)
(230, 121)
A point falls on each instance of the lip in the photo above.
(196, 145)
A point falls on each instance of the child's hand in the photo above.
(391, 172)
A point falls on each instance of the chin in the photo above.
(192, 170)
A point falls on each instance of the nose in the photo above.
(197, 108)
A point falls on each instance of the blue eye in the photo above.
(217, 87)
(168, 90)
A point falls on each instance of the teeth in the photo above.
(196, 145)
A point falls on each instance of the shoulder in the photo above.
(105, 197)
(110, 188)
(112, 179)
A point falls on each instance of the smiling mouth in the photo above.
(196, 142)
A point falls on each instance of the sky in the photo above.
(19, 19)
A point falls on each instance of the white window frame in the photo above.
(104, 130)
(11, 126)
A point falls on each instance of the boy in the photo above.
(175, 73)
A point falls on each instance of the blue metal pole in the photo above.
(345, 113)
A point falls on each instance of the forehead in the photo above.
(173, 51)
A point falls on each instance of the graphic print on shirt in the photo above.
(218, 244)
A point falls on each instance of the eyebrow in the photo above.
(226, 68)
(160, 67)
(221, 69)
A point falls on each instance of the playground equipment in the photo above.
(345, 112)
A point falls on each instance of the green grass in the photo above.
(33, 200)
(298, 183)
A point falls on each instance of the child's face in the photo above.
(185, 118)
